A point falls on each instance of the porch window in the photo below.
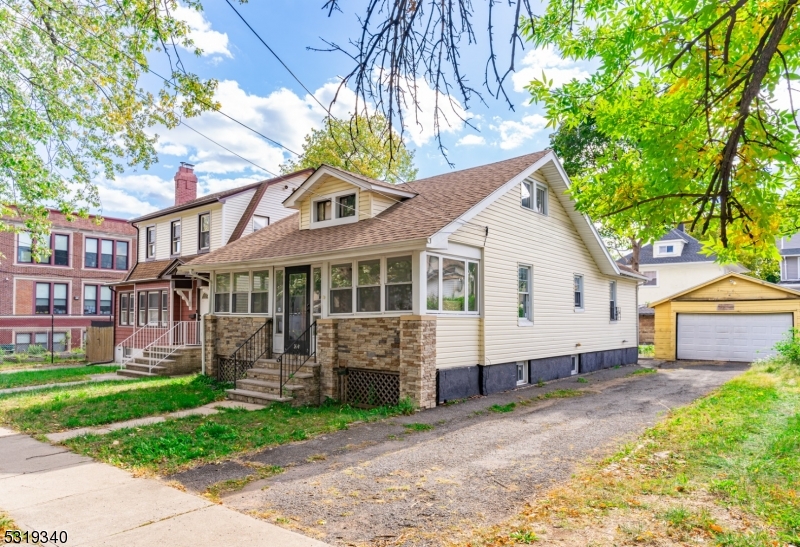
(341, 294)
(90, 254)
(142, 308)
(164, 308)
(525, 313)
(368, 294)
(222, 293)
(278, 301)
(123, 308)
(346, 206)
(24, 244)
(241, 292)
(204, 233)
(398, 283)
(432, 275)
(175, 235)
(259, 297)
(153, 300)
(316, 291)
(452, 285)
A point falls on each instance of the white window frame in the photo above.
(334, 220)
(271, 288)
(253, 220)
(173, 242)
(352, 288)
(466, 261)
(582, 290)
(200, 231)
(147, 253)
(525, 321)
(646, 284)
(522, 366)
(613, 301)
(531, 186)
(575, 363)
(385, 281)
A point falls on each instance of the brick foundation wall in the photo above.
(406, 345)
(224, 333)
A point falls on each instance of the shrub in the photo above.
(789, 347)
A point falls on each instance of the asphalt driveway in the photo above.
(397, 483)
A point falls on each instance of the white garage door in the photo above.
(730, 337)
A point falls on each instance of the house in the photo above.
(50, 304)
(789, 247)
(470, 282)
(730, 318)
(158, 307)
(672, 264)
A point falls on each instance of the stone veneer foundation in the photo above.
(224, 333)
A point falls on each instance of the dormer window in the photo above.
(346, 206)
(340, 208)
(323, 211)
(665, 249)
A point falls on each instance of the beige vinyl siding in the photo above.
(459, 341)
(163, 238)
(551, 245)
(365, 205)
(216, 228)
(271, 204)
(380, 203)
(189, 234)
(324, 186)
(234, 208)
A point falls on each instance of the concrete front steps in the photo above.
(183, 360)
(262, 385)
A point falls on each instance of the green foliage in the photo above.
(503, 408)
(362, 144)
(789, 347)
(682, 118)
(641, 371)
(418, 427)
(582, 380)
(523, 536)
(647, 350)
(35, 350)
(73, 111)
(50, 376)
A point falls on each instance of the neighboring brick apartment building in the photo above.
(50, 304)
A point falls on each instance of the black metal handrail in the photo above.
(297, 353)
(244, 357)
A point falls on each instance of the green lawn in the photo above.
(50, 376)
(43, 363)
(169, 446)
(738, 449)
(67, 407)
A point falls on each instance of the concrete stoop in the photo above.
(185, 360)
(262, 385)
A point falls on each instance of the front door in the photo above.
(297, 311)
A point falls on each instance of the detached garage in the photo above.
(730, 318)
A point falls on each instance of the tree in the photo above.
(363, 145)
(691, 83)
(582, 150)
(72, 106)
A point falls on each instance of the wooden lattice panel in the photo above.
(371, 388)
(230, 370)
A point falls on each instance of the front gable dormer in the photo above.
(330, 197)
(667, 248)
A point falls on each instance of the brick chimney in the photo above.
(185, 183)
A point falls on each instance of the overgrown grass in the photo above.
(726, 468)
(503, 408)
(43, 363)
(67, 407)
(647, 350)
(175, 444)
(50, 376)
(561, 394)
(640, 371)
(418, 427)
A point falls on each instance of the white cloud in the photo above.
(420, 122)
(118, 203)
(210, 41)
(470, 140)
(546, 60)
(514, 133)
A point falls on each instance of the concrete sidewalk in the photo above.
(44, 487)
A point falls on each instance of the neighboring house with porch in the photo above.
(470, 282)
(158, 308)
(672, 264)
(51, 304)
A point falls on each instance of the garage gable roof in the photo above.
(779, 291)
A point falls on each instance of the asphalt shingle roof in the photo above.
(440, 200)
(691, 251)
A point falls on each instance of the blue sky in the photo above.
(256, 90)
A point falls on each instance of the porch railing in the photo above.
(182, 333)
(297, 353)
(244, 357)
